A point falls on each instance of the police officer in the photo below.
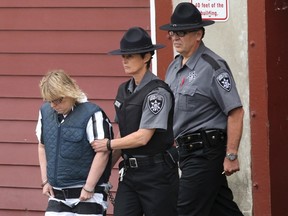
(148, 182)
(208, 118)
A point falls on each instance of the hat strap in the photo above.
(137, 49)
(183, 25)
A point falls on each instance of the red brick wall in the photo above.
(36, 36)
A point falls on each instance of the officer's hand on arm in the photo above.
(136, 139)
(100, 145)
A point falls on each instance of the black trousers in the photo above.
(203, 189)
(150, 190)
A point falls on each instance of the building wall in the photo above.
(258, 108)
(277, 68)
(36, 36)
(268, 90)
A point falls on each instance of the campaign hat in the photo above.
(135, 40)
(186, 17)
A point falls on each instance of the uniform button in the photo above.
(213, 137)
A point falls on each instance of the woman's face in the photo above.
(134, 63)
(62, 105)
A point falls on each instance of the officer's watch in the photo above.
(231, 156)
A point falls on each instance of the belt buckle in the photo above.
(133, 163)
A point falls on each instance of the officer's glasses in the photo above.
(180, 33)
(57, 101)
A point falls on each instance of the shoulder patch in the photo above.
(155, 103)
(224, 81)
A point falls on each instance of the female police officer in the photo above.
(144, 111)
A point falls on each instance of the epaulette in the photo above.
(211, 61)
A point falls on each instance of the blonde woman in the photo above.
(73, 175)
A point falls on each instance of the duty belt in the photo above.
(201, 139)
(138, 161)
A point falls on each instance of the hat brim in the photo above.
(136, 51)
(180, 27)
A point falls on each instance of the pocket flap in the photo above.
(73, 134)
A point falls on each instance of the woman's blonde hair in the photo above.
(56, 84)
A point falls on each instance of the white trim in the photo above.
(153, 34)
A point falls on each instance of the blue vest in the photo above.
(69, 154)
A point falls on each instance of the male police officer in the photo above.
(208, 118)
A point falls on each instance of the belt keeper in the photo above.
(108, 145)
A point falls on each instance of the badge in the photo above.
(155, 103)
(117, 104)
(224, 81)
(192, 76)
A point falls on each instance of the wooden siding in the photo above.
(37, 36)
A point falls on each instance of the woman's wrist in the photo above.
(87, 190)
(44, 183)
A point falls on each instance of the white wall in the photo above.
(229, 40)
